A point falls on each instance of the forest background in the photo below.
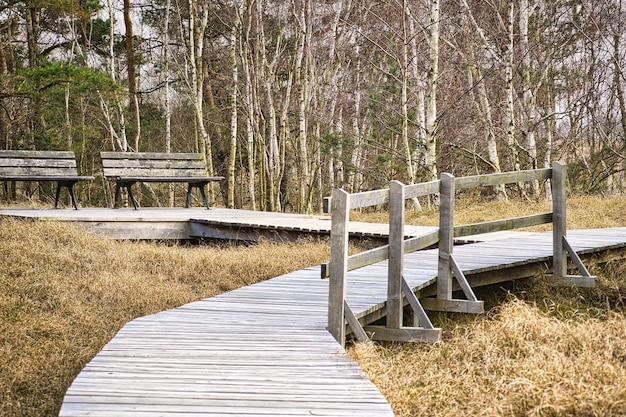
(290, 99)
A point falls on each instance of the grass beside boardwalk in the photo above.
(538, 351)
(65, 293)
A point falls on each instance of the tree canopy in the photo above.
(290, 99)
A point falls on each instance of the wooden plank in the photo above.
(501, 225)
(453, 305)
(7, 163)
(421, 242)
(405, 334)
(421, 190)
(147, 164)
(164, 178)
(151, 155)
(36, 154)
(369, 198)
(475, 181)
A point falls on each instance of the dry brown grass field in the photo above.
(538, 351)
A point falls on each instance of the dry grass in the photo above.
(518, 360)
(64, 293)
(541, 352)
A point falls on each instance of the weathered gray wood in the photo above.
(128, 168)
(404, 334)
(420, 242)
(559, 220)
(369, 198)
(354, 324)
(152, 155)
(420, 314)
(29, 154)
(574, 281)
(575, 258)
(446, 236)
(475, 181)
(381, 253)
(338, 265)
(396, 255)
(462, 281)
(500, 225)
(154, 167)
(51, 166)
(453, 305)
(421, 190)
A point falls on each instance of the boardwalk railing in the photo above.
(398, 291)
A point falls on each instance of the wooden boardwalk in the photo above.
(216, 223)
(263, 350)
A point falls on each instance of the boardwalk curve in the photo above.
(264, 350)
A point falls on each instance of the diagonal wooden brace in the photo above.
(471, 305)
(585, 280)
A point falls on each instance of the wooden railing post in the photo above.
(338, 267)
(446, 236)
(396, 254)
(559, 221)
(561, 246)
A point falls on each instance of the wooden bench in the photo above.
(57, 166)
(127, 168)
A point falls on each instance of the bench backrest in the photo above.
(40, 164)
(152, 164)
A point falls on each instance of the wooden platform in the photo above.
(216, 223)
(263, 350)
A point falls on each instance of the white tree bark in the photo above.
(431, 92)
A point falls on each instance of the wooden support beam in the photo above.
(446, 237)
(453, 305)
(559, 220)
(573, 281)
(396, 255)
(462, 281)
(404, 334)
(420, 314)
(338, 265)
(576, 259)
(355, 326)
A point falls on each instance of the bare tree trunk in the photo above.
(528, 100)
(232, 154)
(166, 91)
(32, 35)
(510, 102)
(198, 21)
(274, 161)
(301, 84)
(404, 94)
(116, 138)
(431, 92)
(249, 99)
(132, 76)
(483, 107)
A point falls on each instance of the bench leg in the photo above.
(128, 186)
(70, 188)
(200, 186)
